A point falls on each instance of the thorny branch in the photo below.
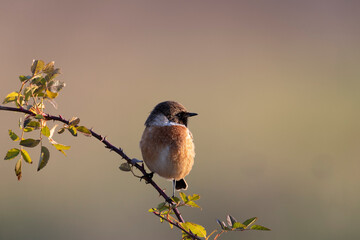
(141, 168)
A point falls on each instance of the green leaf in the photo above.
(39, 90)
(28, 91)
(194, 197)
(55, 86)
(33, 124)
(194, 228)
(24, 78)
(26, 156)
(166, 212)
(45, 131)
(72, 130)
(125, 167)
(29, 142)
(238, 225)
(12, 153)
(250, 221)
(192, 204)
(39, 116)
(50, 94)
(161, 206)
(183, 197)
(61, 130)
(13, 135)
(49, 68)
(222, 224)
(84, 130)
(175, 199)
(231, 220)
(74, 121)
(37, 66)
(28, 129)
(51, 75)
(26, 122)
(21, 101)
(11, 97)
(37, 81)
(18, 169)
(61, 147)
(44, 157)
(258, 227)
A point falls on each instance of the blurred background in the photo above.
(276, 85)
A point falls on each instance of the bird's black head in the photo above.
(173, 111)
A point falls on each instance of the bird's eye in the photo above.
(180, 114)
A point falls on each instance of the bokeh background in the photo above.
(276, 85)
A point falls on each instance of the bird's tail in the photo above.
(181, 184)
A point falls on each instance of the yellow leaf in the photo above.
(18, 169)
(11, 97)
(26, 156)
(51, 95)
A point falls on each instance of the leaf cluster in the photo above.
(35, 90)
(41, 84)
(234, 225)
(165, 213)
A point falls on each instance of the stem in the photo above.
(218, 235)
(109, 146)
(178, 226)
(18, 98)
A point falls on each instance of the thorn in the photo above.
(110, 148)
(148, 176)
(135, 161)
(164, 190)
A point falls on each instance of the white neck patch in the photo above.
(161, 120)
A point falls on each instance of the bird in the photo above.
(167, 144)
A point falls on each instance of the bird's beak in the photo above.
(191, 114)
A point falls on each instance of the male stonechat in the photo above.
(167, 144)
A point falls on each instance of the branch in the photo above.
(108, 145)
(178, 226)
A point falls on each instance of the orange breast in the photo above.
(168, 150)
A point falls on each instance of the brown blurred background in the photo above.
(276, 85)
